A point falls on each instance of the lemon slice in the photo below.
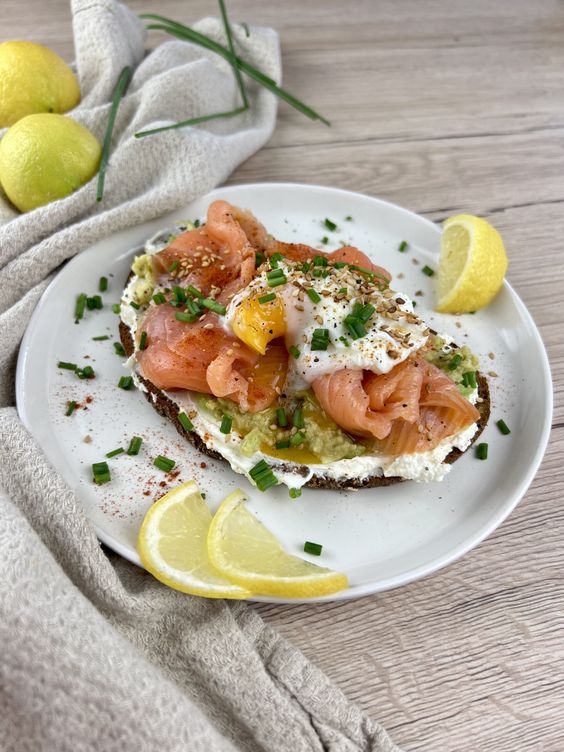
(172, 545)
(472, 264)
(243, 550)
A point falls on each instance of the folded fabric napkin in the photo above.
(96, 654)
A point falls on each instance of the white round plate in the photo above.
(380, 538)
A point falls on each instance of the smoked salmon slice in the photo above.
(218, 255)
(408, 410)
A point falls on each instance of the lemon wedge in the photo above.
(244, 551)
(472, 264)
(172, 545)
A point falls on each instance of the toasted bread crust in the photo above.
(170, 410)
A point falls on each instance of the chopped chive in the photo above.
(313, 548)
(115, 452)
(355, 327)
(196, 223)
(348, 218)
(330, 225)
(283, 444)
(194, 291)
(469, 379)
(101, 338)
(71, 407)
(297, 439)
(455, 361)
(363, 312)
(143, 341)
(342, 291)
(320, 339)
(293, 350)
(116, 308)
(320, 261)
(214, 306)
(325, 240)
(103, 284)
(67, 366)
(125, 382)
(226, 423)
(135, 305)
(259, 258)
(119, 92)
(173, 267)
(313, 295)
(298, 418)
(294, 493)
(118, 347)
(193, 307)
(185, 317)
(402, 246)
(85, 373)
(305, 267)
(482, 451)
(339, 264)
(281, 417)
(101, 472)
(267, 298)
(345, 341)
(179, 294)
(159, 298)
(263, 476)
(503, 427)
(94, 303)
(274, 259)
(134, 446)
(185, 422)
(427, 270)
(414, 303)
(276, 277)
(79, 307)
(164, 463)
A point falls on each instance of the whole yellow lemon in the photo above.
(46, 157)
(34, 79)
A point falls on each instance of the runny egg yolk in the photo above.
(256, 323)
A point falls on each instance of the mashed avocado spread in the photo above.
(142, 267)
(323, 440)
(442, 356)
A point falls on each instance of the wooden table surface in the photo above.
(441, 106)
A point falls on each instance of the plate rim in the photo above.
(357, 591)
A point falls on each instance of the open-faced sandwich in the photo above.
(293, 365)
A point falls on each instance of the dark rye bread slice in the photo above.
(169, 409)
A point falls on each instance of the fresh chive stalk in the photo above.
(116, 308)
(454, 362)
(276, 277)
(330, 225)
(274, 259)
(135, 305)
(94, 303)
(143, 341)
(320, 339)
(293, 350)
(85, 373)
(294, 493)
(267, 298)
(159, 298)
(101, 338)
(71, 407)
(173, 267)
(194, 291)
(103, 284)
(120, 89)
(402, 247)
(125, 382)
(298, 418)
(282, 444)
(118, 347)
(214, 306)
(259, 258)
(324, 240)
(297, 439)
(427, 270)
(355, 327)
